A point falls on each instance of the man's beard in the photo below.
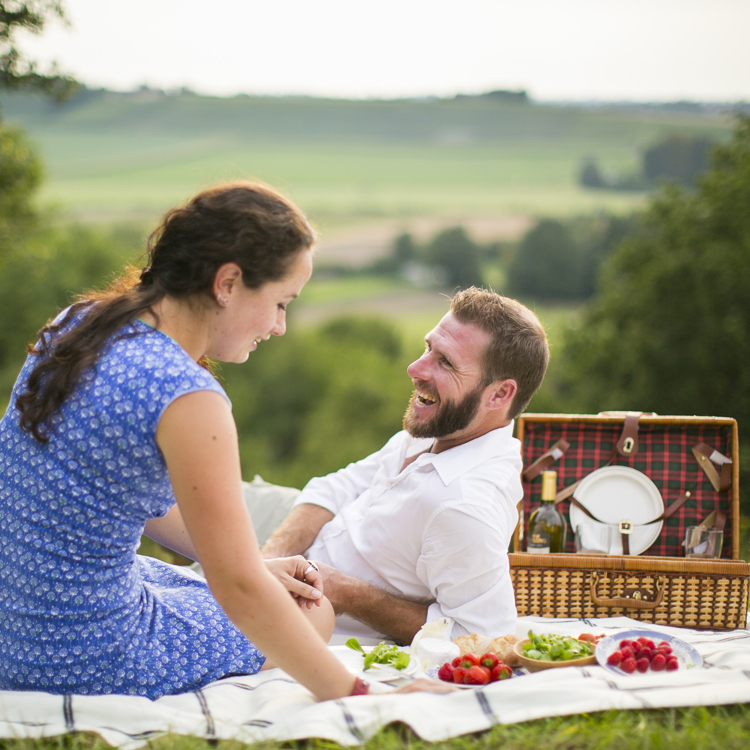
(450, 417)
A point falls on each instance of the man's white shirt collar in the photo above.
(454, 462)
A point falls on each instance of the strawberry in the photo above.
(646, 653)
(477, 675)
(659, 662)
(489, 660)
(628, 665)
(624, 642)
(456, 662)
(642, 664)
(627, 652)
(672, 664)
(469, 660)
(614, 658)
(501, 671)
(445, 672)
(459, 674)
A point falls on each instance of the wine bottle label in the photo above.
(538, 542)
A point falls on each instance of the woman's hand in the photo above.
(299, 578)
(425, 685)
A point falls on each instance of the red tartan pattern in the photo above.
(664, 456)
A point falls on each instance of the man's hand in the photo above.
(303, 584)
(398, 619)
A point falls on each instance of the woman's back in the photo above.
(75, 599)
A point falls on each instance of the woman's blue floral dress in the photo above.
(80, 611)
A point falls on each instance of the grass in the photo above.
(694, 728)
(336, 184)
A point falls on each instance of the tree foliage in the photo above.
(457, 256)
(20, 175)
(559, 260)
(669, 330)
(15, 68)
(678, 158)
(44, 271)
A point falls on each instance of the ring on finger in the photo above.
(310, 567)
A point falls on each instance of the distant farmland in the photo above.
(115, 156)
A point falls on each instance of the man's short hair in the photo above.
(518, 346)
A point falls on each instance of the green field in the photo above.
(119, 157)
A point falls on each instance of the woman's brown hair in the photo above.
(245, 223)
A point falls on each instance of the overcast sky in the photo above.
(644, 50)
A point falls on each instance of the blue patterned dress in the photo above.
(80, 611)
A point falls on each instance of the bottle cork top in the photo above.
(549, 485)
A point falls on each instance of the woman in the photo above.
(111, 420)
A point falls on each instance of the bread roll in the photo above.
(503, 647)
(481, 644)
(473, 644)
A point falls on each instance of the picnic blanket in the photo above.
(272, 706)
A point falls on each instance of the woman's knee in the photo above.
(322, 618)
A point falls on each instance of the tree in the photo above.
(20, 175)
(548, 264)
(15, 68)
(453, 252)
(404, 250)
(678, 158)
(590, 175)
(668, 331)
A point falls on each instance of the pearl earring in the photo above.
(222, 300)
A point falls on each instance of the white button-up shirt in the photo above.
(438, 530)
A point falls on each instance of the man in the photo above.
(420, 530)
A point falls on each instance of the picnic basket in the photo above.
(693, 463)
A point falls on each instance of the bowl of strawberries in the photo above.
(645, 651)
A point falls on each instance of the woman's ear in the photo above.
(225, 281)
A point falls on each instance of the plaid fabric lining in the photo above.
(664, 456)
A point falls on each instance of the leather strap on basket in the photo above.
(626, 528)
(626, 446)
(556, 452)
(714, 520)
(626, 602)
(708, 459)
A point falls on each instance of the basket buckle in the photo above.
(626, 527)
(637, 594)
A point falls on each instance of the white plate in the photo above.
(354, 662)
(619, 493)
(687, 656)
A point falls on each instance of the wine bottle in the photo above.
(547, 525)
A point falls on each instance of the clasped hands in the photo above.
(300, 577)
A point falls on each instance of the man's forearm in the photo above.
(398, 619)
(297, 532)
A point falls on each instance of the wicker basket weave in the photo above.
(665, 591)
